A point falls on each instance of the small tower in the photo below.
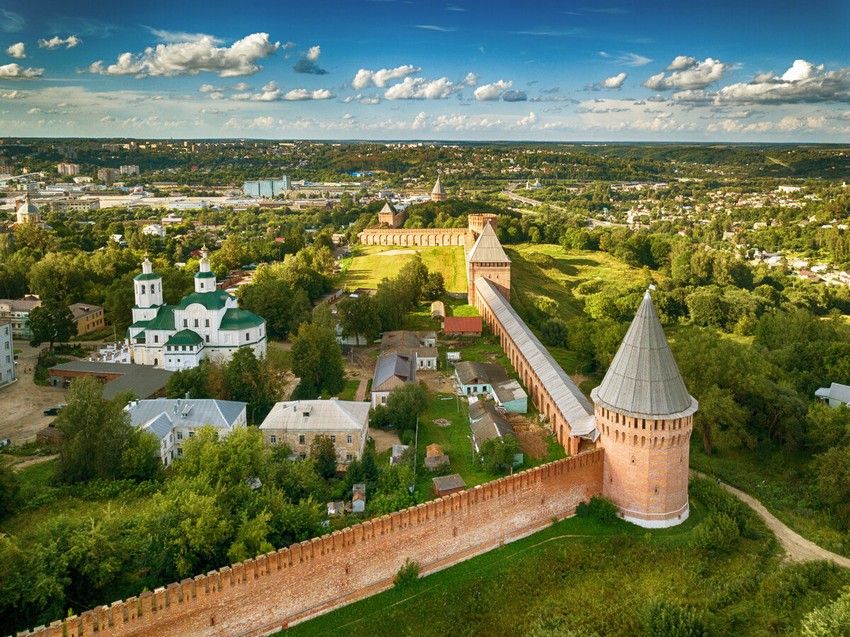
(147, 287)
(389, 217)
(205, 278)
(644, 414)
(487, 259)
(438, 193)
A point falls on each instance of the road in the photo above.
(797, 548)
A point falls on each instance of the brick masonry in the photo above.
(266, 594)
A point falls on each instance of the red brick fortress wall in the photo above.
(263, 595)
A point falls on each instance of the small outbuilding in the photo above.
(462, 326)
(435, 458)
(446, 485)
(438, 310)
(834, 395)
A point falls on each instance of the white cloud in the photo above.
(191, 58)
(209, 88)
(17, 72)
(687, 73)
(528, 120)
(803, 82)
(12, 95)
(17, 50)
(11, 22)
(364, 77)
(269, 93)
(418, 88)
(614, 82)
(471, 79)
(492, 92)
(627, 59)
(308, 62)
(300, 94)
(165, 35)
(434, 27)
(313, 53)
(56, 42)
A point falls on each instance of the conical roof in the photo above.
(438, 188)
(388, 208)
(643, 379)
(487, 248)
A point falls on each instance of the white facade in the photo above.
(7, 354)
(206, 324)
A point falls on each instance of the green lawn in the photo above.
(350, 390)
(579, 577)
(370, 265)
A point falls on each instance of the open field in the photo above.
(371, 264)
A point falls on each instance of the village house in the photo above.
(297, 423)
(391, 370)
(421, 345)
(487, 423)
(175, 421)
(474, 379)
(835, 395)
(89, 318)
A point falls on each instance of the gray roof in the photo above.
(142, 380)
(487, 248)
(573, 405)
(509, 391)
(388, 208)
(490, 425)
(192, 412)
(474, 373)
(392, 370)
(445, 483)
(79, 310)
(438, 187)
(643, 380)
(160, 426)
(321, 415)
(835, 391)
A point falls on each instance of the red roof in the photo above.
(461, 324)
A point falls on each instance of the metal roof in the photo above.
(509, 391)
(160, 426)
(573, 405)
(835, 391)
(237, 319)
(142, 380)
(474, 373)
(215, 300)
(191, 412)
(185, 337)
(447, 483)
(318, 415)
(487, 248)
(438, 187)
(461, 324)
(164, 319)
(488, 423)
(643, 379)
(393, 369)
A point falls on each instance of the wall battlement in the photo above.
(263, 595)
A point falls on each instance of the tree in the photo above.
(191, 382)
(51, 322)
(358, 317)
(101, 443)
(497, 454)
(282, 307)
(9, 490)
(405, 404)
(317, 361)
(833, 478)
(322, 451)
(831, 620)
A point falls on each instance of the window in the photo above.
(247, 336)
(156, 340)
(350, 439)
(300, 439)
(206, 322)
(383, 400)
(348, 457)
(333, 438)
(185, 322)
(179, 451)
(273, 439)
(179, 435)
(207, 336)
(191, 434)
(143, 288)
(196, 322)
(153, 288)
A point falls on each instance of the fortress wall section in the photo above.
(426, 237)
(263, 595)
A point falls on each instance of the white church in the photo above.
(206, 324)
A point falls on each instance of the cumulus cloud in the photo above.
(191, 58)
(300, 94)
(308, 63)
(492, 92)
(269, 93)
(626, 59)
(18, 50)
(471, 79)
(418, 88)
(17, 72)
(687, 73)
(364, 77)
(614, 82)
(802, 82)
(56, 42)
(514, 96)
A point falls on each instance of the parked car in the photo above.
(54, 411)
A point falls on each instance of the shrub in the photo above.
(407, 574)
(668, 619)
(718, 533)
(600, 509)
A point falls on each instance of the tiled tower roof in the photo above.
(643, 380)
(487, 248)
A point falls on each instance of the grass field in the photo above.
(371, 264)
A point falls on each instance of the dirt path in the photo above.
(361, 390)
(796, 547)
(28, 462)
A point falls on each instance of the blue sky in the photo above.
(454, 70)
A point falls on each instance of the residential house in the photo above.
(296, 423)
(834, 395)
(487, 423)
(489, 378)
(7, 354)
(391, 370)
(422, 345)
(175, 421)
(89, 318)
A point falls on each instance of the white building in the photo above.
(128, 170)
(7, 354)
(175, 421)
(155, 230)
(206, 324)
(297, 423)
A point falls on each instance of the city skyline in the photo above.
(459, 70)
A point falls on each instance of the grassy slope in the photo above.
(576, 571)
(370, 266)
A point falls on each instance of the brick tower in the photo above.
(438, 193)
(644, 414)
(487, 259)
